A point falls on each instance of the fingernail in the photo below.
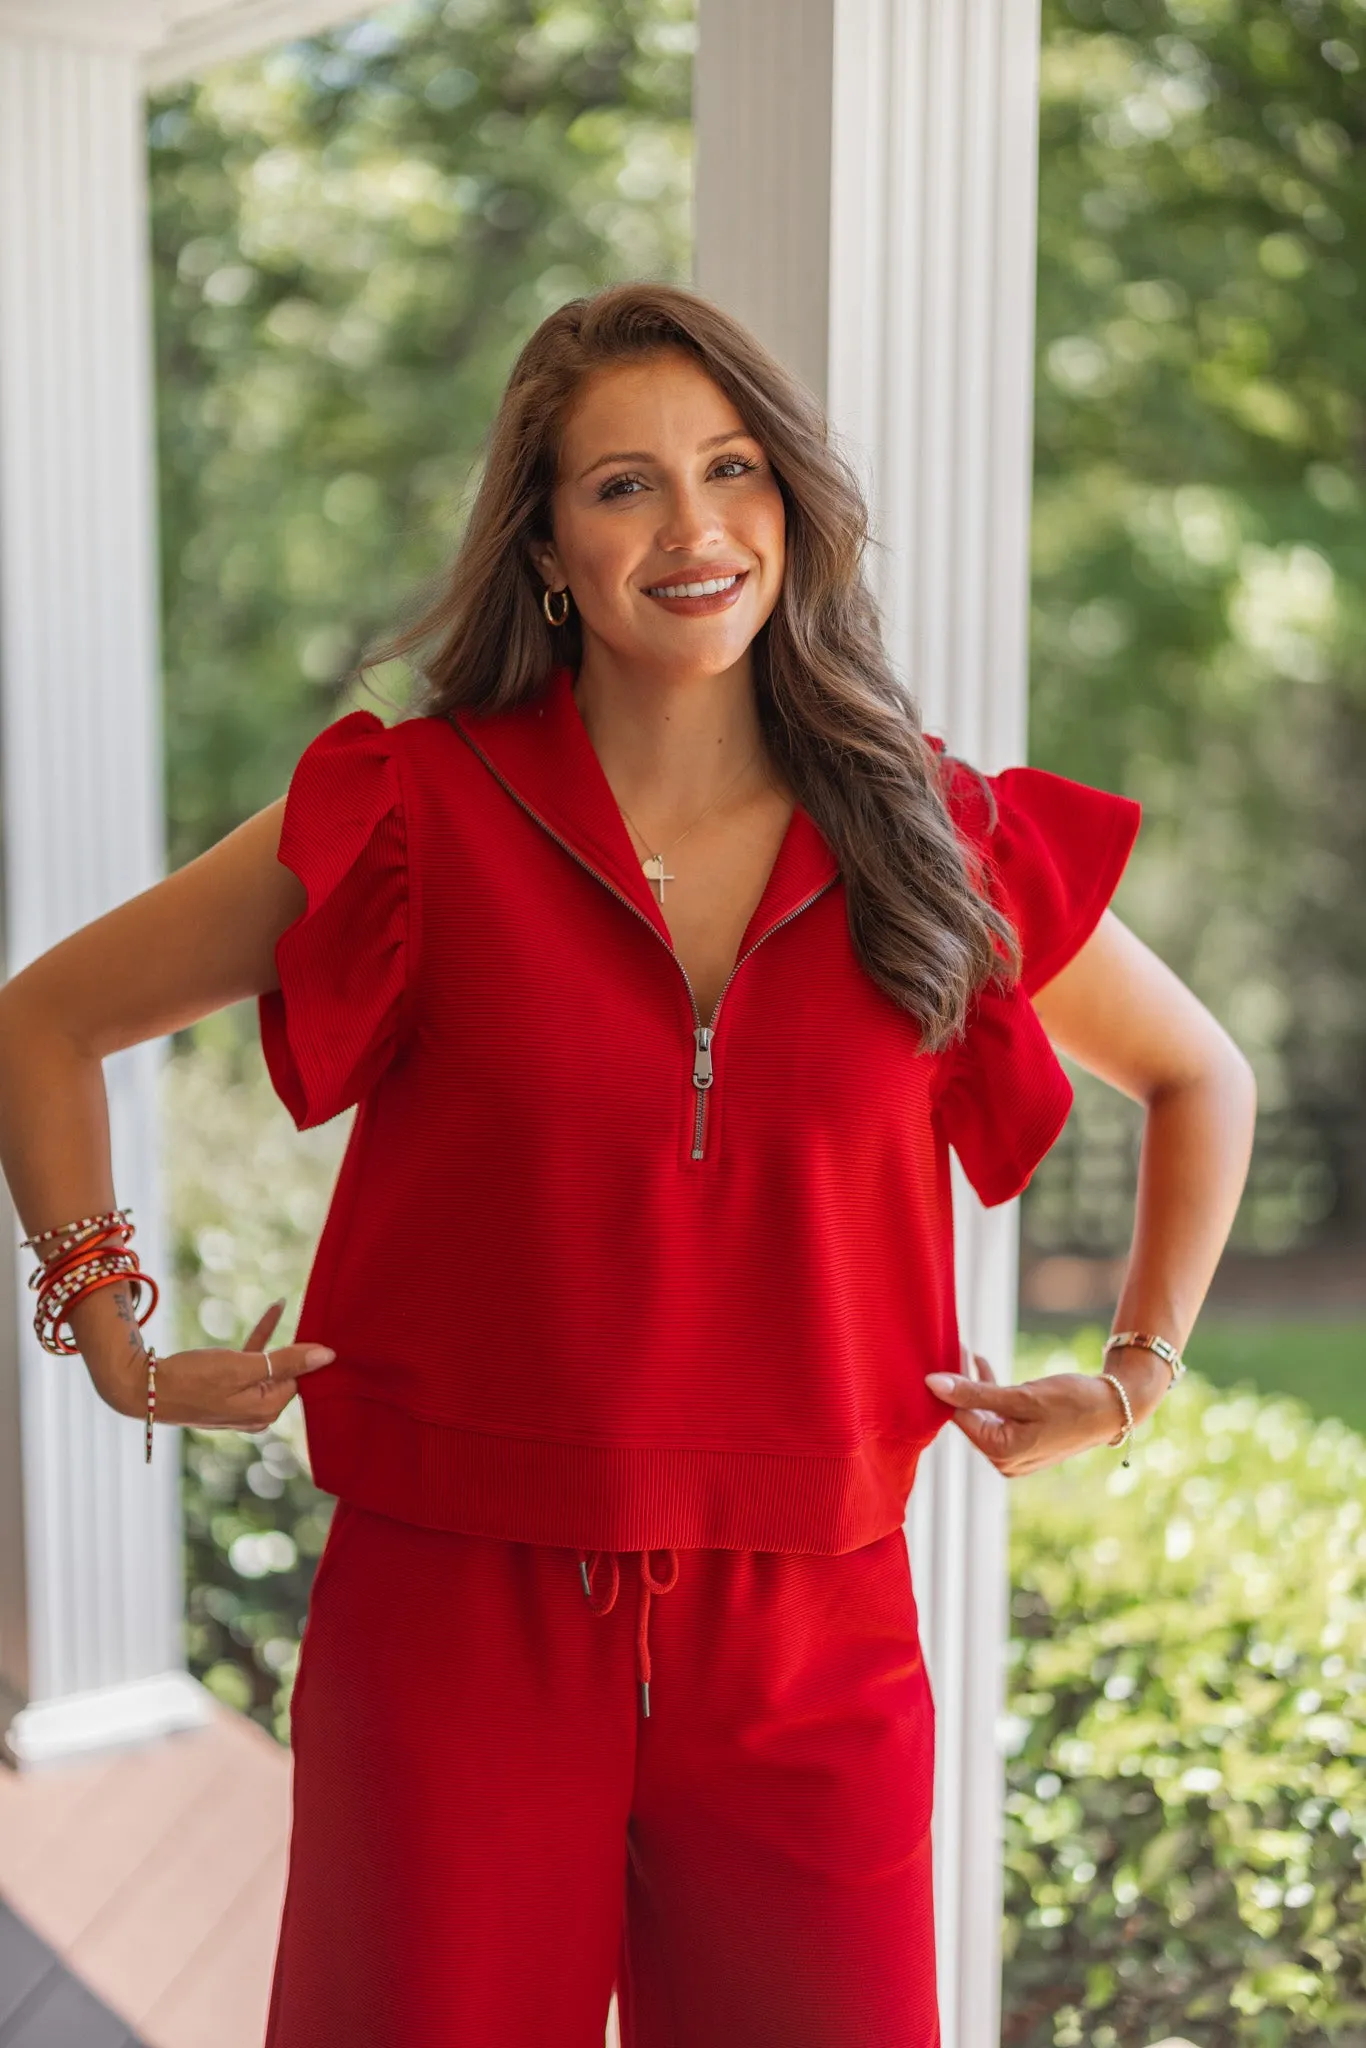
(278, 1304)
(942, 1382)
(318, 1354)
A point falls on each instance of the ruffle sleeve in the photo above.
(333, 1025)
(1051, 859)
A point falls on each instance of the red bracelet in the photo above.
(51, 1317)
(69, 1286)
(51, 1341)
(91, 1253)
(83, 1223)
(71, 1291)
(63, 1286)
(76, 1253)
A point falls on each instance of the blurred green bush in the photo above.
(1186, 1732)
(248, 1194)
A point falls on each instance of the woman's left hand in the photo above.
(1035, 1423)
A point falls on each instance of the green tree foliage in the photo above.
(1186, 1808)
(1199, 633)
(352, 239)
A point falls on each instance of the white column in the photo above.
(90, 1573)
(865, 200)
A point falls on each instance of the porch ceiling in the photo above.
(176, 37)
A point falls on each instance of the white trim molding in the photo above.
(107, 24)
(198, 36)
(175, 38)
(865, 200)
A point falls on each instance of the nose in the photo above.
(691, 521)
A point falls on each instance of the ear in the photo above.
(546, 559)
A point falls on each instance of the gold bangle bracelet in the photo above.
(1140, 1340)
(1121, 1441)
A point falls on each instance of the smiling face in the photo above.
(660, 486)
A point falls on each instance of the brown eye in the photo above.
(609, 489)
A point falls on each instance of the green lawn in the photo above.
(1323, 1364)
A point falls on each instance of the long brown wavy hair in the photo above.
(834, 718)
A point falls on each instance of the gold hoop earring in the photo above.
(546, 596)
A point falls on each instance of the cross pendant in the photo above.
(654, 872)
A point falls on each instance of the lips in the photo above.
(707, 604)
(729, 579)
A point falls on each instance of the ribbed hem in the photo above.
(590, 1497)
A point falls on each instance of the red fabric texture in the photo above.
(344, 836)
(1053, 856)
(1050, 858)
(645, 1315)
(487, 1834)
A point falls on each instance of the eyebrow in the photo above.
(644, 455)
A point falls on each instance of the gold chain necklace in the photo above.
(653, 865)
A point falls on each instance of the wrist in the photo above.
(1146, 1378)
(109, 1340)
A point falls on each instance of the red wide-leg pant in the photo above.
(489, 1832)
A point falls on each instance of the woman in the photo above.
(665, 957)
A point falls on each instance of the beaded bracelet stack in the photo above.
(82, 1257)
(1137, 1340)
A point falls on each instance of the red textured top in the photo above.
(579, 1296)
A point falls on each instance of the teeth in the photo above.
(693, 589)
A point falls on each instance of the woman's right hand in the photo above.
(213, 1389)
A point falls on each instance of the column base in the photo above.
(110, 1717)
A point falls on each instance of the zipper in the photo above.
(703, 1034)
(702, 1073)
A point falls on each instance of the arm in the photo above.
(1120, 1012)
(203, 938)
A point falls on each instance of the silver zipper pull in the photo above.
(701, 1067)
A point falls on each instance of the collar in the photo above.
(541, 749)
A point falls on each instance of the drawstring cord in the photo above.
(588, 1563)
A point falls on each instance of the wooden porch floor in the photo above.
(156, 1876)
